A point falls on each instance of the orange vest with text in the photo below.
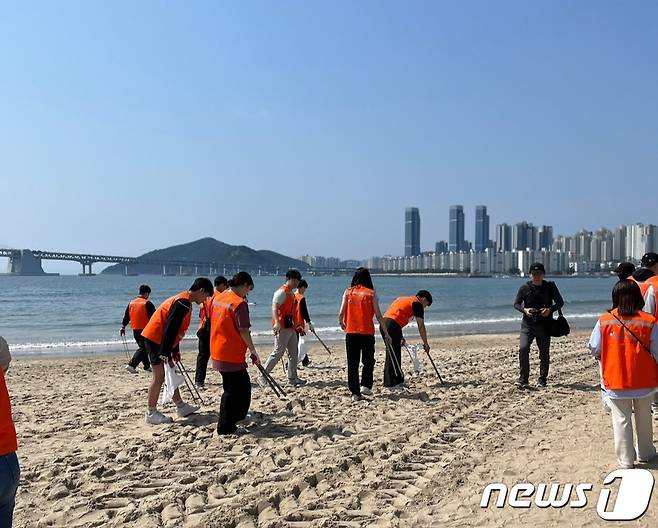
(288, 307)
(625, 363)
(226, 343)
(359, 310)
(205, 309)
(154, 330)
(137, 313)
(8, 442)
(401, 311)
(644, 286)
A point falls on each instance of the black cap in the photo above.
(537, 266)
(649, 259)
(625, 269)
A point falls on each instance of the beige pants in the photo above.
(622, 428)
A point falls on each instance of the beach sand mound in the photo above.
(418, 456)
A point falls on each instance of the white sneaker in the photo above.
(366, 391)
(186, 409)
(356, 397)
(157, 418)
(131, 369)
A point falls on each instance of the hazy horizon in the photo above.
(308, 128)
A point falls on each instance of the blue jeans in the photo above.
(10, 472)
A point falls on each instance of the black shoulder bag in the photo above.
(559, 327)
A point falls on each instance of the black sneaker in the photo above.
(306, 362)
(521, 384)
(541, 383)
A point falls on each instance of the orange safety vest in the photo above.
(154, 330)
(287, 308)
(359, 310)
(226, 343)
(625, 363)
(401, 310)
(137, 313)
(205, 309)
(8, 442)
(644, 285)
(298, 317)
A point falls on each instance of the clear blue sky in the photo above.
(308, 127)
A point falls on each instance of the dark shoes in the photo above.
(541, 383)
(522, 384)
(306, 362)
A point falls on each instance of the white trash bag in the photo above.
(302, 347)
(173, 379)
(414, 349)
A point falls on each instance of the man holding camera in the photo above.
(537, 299)
(286, 327)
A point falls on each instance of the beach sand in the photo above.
(415, 457)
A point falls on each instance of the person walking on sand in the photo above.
(285, 325)
(162, 336)
(357, 310)
(537, 299)
(625, 341)
(398, 315)
(231, 347)
(9, 468)
(137, 314)
(203, 333)
(305, 317)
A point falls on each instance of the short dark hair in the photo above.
(220, 280)
(302, 284)
(362, 277)
(627, 297)
(202, 283)
(144, 289)
(293, 274)
(242, 278)
(424, 294)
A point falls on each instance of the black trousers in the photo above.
(360, 347)
(393, 371)
(529, 332)
(140, 355)
(202, 359)
(235, 400)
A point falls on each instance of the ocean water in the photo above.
(72, 315)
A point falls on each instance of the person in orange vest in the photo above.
(398, 315)
(305, 318)
(641, 277)
(286, 327)
(231, 347)
(203, 333)
(138, 312)
(625, 341)
(9, 468)
(162, 336)
(357, 310)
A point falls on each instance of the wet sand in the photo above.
(414, 457)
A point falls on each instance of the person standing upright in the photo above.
(303, 318)
(203, 333)
(138, 312)
(9, 468)
(537, 299)
(285, 327)
(357, 310)
(162, 336)
(230, 348)
(398, 315)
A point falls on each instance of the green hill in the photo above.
(210, 250)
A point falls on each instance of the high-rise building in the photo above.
(441, 247)
(503, 238)
(481, 228)
(545, 237)
(619, 244)
(456, 238)
(411, 232)
(520, 236)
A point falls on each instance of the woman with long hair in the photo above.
(357, 310)
(625, 341)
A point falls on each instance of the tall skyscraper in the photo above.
(545, 236)
(411, 232)
(481, 228)
(456, 238)
(520, 236)
(503, 238)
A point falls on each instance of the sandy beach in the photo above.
(415, 457)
